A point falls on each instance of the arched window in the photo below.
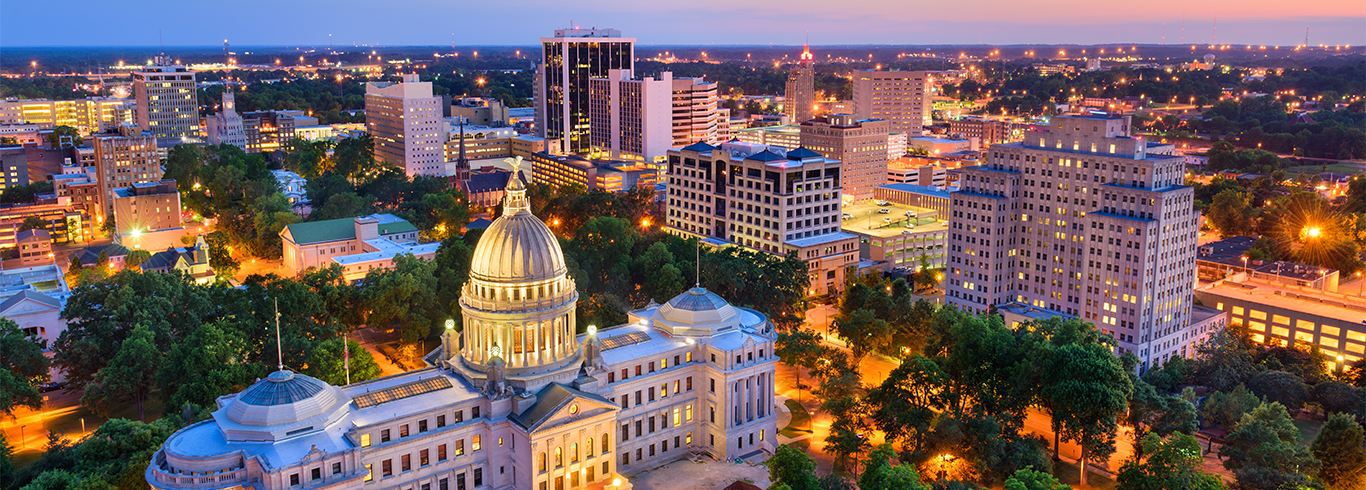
(573, 452)
(559, 457)
(604, 442)
(588, 448)
(542, 460)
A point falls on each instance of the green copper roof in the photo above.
(323, 231)
(396, 227)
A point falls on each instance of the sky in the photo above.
(696, 22)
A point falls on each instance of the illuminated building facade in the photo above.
(903, 98)
(859, 144)
(799, 102)
(631, 119)
(1083, 220)
(167, 103)
(404, 119)
(568, 61)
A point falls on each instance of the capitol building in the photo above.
(516, 399)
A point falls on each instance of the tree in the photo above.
(54, 139)
(404, 298)
(135, 259)
(1226, 409)
(1088, 391)
(6, 464)
(1341, 448)
(1280, 387)
(1339, 397)
(863, 331)
(220, 257)
(1263, 451)
(1162, 415)
(1223, 361)
(1031, 479)
(908, 401)
(209, 363)
(792, 468)
(800, 348)
(22, 368)
(327, 363)
(130, 376)
(1232, 214)
(879, 474)
(1170, 463)
(32, 223)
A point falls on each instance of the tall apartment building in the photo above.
(631, 119)
(903, 98)
(481, 111)
(799, 102)
(765, 199)
(90, 115)
(1083, 220)
(167, 104)
(405, 121)
(226, 127)
(696, 116)
(859, 145)
(568, 60)
(121, 161)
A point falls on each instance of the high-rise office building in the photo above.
(405, 121)
(799, 102)
(631, 119)
(859, 144)
(903, 98)
(766, 199)
(1083, 220)
(167, 104)
(696, 116)
(568, 60)
(225, 127)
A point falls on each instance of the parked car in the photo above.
(882, 203)
(52, 386)
(884, 211)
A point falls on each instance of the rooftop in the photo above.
(868, 221)
(1227, 251)
(919, 189)
(1327, 305)
(820, 239)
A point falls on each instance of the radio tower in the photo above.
(227, 55)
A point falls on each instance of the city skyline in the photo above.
(1335, 22)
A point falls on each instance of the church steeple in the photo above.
(462, 164)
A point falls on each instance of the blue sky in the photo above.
(781, 22)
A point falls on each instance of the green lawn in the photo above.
(801, 421)
(1317, 169)
(1309, 429)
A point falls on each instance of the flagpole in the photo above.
(346, 356)
(279, 352)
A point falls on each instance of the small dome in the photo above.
(280, 388)
(284, 399)
(697, 308)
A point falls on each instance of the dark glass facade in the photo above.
(568, 66)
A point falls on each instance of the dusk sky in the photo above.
(782, 22)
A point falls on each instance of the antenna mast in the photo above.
(698, 264)
(279, 352)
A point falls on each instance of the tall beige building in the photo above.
(630, 119)
(767, 199)
(902, 98)
(405, 121)
(799, 103)
(859, 144)
(167, 104)
(695, 113)
(1083, 221)
(121, 161)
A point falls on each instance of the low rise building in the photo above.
(268, 131)
(895, 235)
(608, 175)
(90, 115)
(193, 261)
(481, 111)
(784, 135)
(1286, 314)
(917, 171)
(938, 146)
(35, 248)
(33, 297)
(357, 244)
(147, 215)
(294, 187)
(920, 196)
